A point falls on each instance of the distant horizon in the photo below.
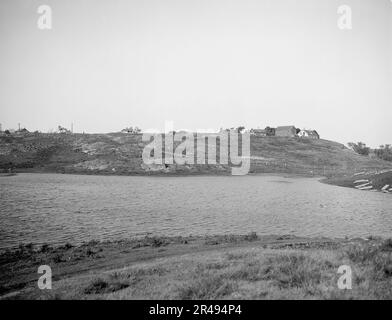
(158, 131)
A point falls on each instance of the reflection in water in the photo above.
(50, 208)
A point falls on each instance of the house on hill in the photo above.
(22, 132)
(286, 131)
(270, 132)
(312, 134)
(132, 130)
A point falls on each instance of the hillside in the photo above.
(119, 153)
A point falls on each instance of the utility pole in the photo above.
(72, 127)
(19, 126)
(1, 129)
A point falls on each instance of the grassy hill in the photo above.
(119, 153)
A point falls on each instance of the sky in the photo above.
(202, 64)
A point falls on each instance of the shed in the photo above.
(286, 131)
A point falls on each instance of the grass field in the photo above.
(230, 267)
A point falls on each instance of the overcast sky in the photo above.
(106, 65)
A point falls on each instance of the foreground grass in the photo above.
(246, 268)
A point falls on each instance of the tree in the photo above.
(63, 130)
(240, 129)
(359, 148)
(384, 152)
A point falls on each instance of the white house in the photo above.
(308, 134)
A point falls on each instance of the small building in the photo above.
(132, 130)
(312, 134)
(270, 132)
(21, 132)
(286, 131)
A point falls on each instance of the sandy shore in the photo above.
(214, 267)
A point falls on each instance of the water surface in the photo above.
(56, 208)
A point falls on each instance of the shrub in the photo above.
(251, 236)
(295, 271)
(68, 246)
(384, 152)
(359, 148)
(387, 245)
(99, 286)
(57, 258)
(361, 253)
(382, 265)
(206, 287)
(45, 248)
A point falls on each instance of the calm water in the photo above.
(50, 208)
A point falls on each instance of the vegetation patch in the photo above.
(100, 286)
(296, 271)
(207, 287)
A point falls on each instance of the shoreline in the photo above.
(345, 181)
(95, 260)
(378, 181)
(169, 174)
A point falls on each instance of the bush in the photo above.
(382, 265)
(251, 236)
(296, 271)
(384, 152)
(387, 245)
(67, 246)
(45, 248)
(99, 286)
(57, 258)
(362, 253)
(359, 148)
(207, 287)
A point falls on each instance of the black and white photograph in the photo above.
(217, 151)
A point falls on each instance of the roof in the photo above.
(310, 131)
(285, 128)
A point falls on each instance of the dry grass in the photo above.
(100, 153)
(248, 272)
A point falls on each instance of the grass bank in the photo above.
(216, 267)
